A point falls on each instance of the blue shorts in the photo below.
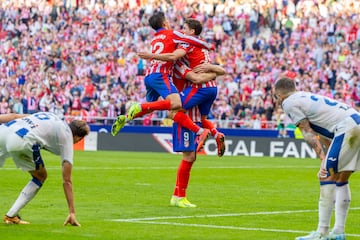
(158, 84)
(201, 97)
(183, 139)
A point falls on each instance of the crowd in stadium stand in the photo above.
(78, 58)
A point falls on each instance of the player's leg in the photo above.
(342, 204)
(204, 98)
(181, 118)
(219, 136)
(185, 121)
(326, 205)
(327, 192)
(204, 109)
(38, 172)
(182, 180)
(159, 85)
(346, 164)
(137, 110)
(347, 153)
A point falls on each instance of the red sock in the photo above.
(157, 105)
(183, 176)
(209, 125)
(183, 120)
(149, 107)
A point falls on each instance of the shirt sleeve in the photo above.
(180, 37)
(293, 111)
(66, 143)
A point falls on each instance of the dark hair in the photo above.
(285, 85)
(79, 128)
(194, 24)
(156, 21)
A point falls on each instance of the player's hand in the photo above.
(322, 173)
(71, 219)
(202, 68)
(144, 55)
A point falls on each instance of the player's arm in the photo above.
(199, 78)
(207, 67)
(167, 57)
(312, 138)
(180, 37)
(68, 189)
(204, 73)
(4, 118)
(325, 142)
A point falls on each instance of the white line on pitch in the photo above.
(216, 215)
(170, 168)
(150, 220)
(217, 226)
(227, 227)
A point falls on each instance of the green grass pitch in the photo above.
(125, 195)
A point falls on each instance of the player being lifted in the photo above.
(158, 80)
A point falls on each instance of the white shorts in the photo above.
(11, 145)
(344, 151)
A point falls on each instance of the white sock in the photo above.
(28, 193)
(326, 205)
(343, 197)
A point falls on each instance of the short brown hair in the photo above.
(79, 128)
(194, 24)
(285, 85)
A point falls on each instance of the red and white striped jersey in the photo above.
(166, 41)
(194, 57)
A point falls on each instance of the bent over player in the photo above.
(318, 115)
(23, 138)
